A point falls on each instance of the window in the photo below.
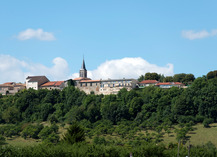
(91, 84)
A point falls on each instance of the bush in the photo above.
(31, 131)
(99, 140)
(2, 140)
(207, 121)
(47, 131)
(52, 138)
(10, 130)
(74, 134)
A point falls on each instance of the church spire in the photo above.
(83, 70)
(83, 64)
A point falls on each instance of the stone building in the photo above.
(110, 86)
(11, 88)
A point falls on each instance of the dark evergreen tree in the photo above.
(75, 133)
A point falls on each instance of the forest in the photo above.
(92, 120)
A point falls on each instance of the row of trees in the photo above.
(183, 78)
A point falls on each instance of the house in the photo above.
(54, 85)
(170, 84)
(35, 81)
(11, 88)
(146, 83)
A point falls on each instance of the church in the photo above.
(106, 87)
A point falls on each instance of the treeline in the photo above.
(146, 107)
(186, 79)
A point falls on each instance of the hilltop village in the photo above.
(105, 87)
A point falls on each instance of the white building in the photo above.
(35, 82)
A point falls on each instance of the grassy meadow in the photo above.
(199, 136)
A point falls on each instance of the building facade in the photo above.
(109, 86)
(35, 82)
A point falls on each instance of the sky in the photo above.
(117, 38)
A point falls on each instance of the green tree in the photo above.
(75, 133)
(168, 79)
(141, 78)
(2, 140)
(152, 76)
(189, 78)
(52, 138)
(179, 77)
(70, 82)
(31, 131)
(211, 74)
(11, 115)
(135, 106)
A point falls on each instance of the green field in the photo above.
(199, 136)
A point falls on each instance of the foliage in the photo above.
(10, 130)
(122, 115)
(2, 140)
(206, 122)
(211, 74)
(74, 134)
(152, 76)
(31, 131)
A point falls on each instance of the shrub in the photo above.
(207, 121)
(74, 134)
(31, 131)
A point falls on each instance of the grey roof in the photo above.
(83, 65)
(35, 78)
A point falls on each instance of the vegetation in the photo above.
(74, 134)
(186, 79)
(135, 121)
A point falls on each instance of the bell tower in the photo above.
(83, 70)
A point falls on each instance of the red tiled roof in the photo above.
(163, 83)
(178, 83)
(81, 78)
(9, 83)
(90, 81)
(52, 83)
(169, 83)
(6, 85)
(58, 83)
(19, 84)
(148, 82)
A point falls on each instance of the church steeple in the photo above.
(83, 65)
(83, 70)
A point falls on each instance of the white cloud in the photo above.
(127, 68)
(191, 34)
(15, 70)
(38, 34)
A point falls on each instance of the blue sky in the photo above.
(56, 34)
